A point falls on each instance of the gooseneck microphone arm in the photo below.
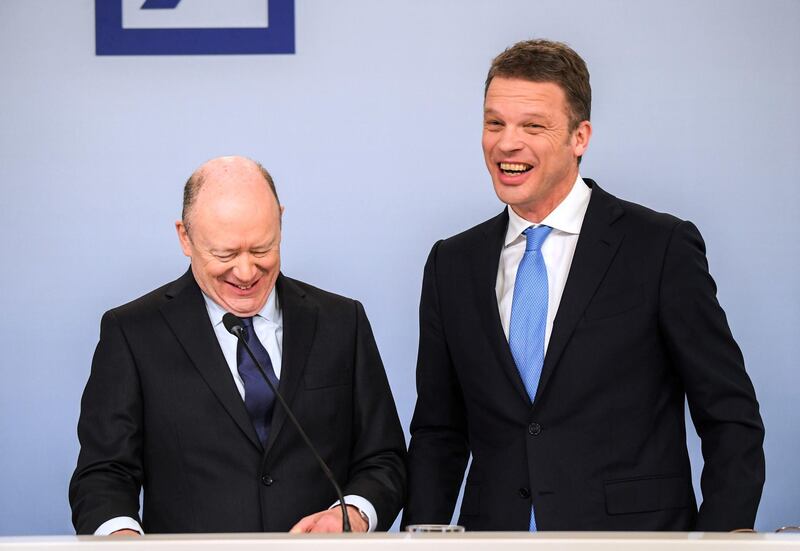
(235, 327)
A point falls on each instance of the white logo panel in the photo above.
(197, 14)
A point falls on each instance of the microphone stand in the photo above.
(238, 330)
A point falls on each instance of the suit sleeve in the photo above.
(377, 467)
(108, 477)
(439, 449)
(721, 398)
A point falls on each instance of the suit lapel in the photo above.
(487, 259)
(597, 245)
(299, 327)
(186, 314)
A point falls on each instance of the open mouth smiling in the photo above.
(512, 169)
(242, 287)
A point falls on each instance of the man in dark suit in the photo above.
(175, 407)
(559, 339)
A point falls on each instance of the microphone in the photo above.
(235, 327)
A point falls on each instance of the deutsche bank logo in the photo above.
(194, 27)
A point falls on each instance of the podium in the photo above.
(469, 541)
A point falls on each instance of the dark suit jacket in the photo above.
(161, 411)
(603, 446)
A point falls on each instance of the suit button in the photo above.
(534, 429)
(524, 493)
(267, 480)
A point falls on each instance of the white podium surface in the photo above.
(475, 541)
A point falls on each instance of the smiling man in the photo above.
(175, 407)
(560, 339)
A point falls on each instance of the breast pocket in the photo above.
(615, 303)
(328, 376)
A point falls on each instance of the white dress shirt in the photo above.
(557, 251)
(268, 324)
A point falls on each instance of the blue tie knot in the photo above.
(535, 237)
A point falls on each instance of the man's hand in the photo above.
(330, 521)
(125, 532)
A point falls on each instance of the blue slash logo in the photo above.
(274, 36)
(160, 4)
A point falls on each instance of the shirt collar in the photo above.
(270, 311)
(567, 217)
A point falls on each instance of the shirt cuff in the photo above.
(121, 523)
(362, 505)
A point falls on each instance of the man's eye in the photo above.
(260, 254)
(225, 257)
(534, 126)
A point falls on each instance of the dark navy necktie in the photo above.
(259, 400)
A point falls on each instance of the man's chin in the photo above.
(511, 195)
(246, 307)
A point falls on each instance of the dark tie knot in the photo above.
(535, 237)
(247, 323)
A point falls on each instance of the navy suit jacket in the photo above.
(603, 444)
(162, 412)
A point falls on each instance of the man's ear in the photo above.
(183, 237)
(581, 136)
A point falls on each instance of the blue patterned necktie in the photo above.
(529, 316)
(258, 397)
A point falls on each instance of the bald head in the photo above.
(225, 172)
(234, 244)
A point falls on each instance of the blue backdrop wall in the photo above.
(372, 132)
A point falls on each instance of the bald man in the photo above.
(174, 406)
